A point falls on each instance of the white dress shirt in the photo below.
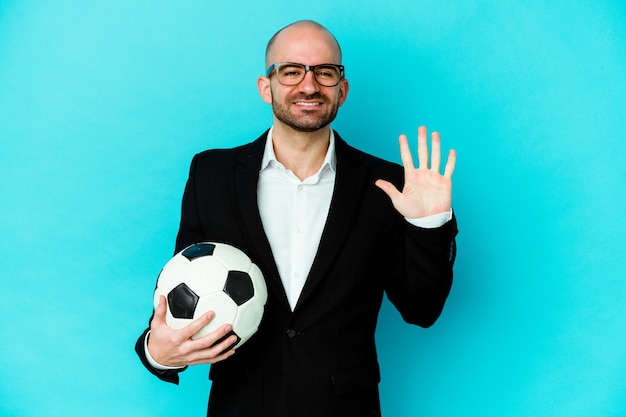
(294, 213)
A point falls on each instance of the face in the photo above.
(308, 106)
(304, 111)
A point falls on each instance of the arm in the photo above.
(419, 291)
(429, 244)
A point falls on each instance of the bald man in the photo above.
(332, 228)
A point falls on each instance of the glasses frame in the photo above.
(276, 66)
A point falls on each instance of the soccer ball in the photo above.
(215, 277)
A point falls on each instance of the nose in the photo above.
(308, 85)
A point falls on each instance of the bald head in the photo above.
(301, 31)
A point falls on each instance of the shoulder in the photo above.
(221, 157)
(349, 157)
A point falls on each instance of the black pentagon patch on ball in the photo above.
(182, 301)
(239, 286)
(198, 250)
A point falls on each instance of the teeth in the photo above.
(299, 103)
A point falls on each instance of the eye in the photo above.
(290, 71)
(327, 72)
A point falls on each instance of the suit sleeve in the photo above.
(424, 277)
(190, 230)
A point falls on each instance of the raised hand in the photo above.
(426, 191)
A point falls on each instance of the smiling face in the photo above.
(307, 106)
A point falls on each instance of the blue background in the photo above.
(103, 104)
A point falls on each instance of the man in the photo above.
(309, 210)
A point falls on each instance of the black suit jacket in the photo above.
(319, 359)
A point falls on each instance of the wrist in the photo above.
(153, 362)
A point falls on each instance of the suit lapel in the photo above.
(248, 164)
(349, 185)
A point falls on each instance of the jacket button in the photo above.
(291, 333)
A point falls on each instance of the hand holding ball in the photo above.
(214, 277)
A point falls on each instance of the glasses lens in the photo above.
(292, 74)
(327, 75)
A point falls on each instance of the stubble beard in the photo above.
(305, 124)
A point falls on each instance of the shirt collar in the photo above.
(269, 157)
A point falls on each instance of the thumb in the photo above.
(388, 188)
(160, 310)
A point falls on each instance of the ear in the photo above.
(343, 91)
(265, 89)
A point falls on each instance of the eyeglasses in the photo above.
(289, 73)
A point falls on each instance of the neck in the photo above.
(300, 152)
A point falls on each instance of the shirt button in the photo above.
(300, 187)
(291, 333)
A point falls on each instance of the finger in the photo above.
(225, 342)
(160, 310)
(225, 355)
(450, 164)
(212, 355)
(388, 188)
(422, 147)
(214, 347)
(435, 152)
(198, 324)
(405, 152)
(215, 342)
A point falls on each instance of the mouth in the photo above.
(308, 104)
(308, 101)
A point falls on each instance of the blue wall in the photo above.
(103, 104)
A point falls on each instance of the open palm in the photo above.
(426, 191)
